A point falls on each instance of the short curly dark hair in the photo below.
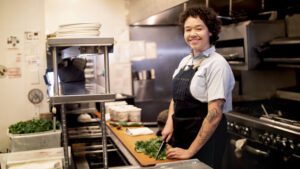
(208, 16)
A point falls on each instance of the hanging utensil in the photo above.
(265, 111)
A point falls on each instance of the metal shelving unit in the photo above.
(66, 93)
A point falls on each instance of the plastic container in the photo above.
(135, 114)
(121, 112)
(35, 141)
(114, 112)
(125, 113)
(109, 105)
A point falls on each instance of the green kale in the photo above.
(32, 126)
(151, 147)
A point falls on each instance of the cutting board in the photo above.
(129, 143)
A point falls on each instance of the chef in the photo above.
(202, 90)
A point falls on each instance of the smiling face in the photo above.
(196, 35)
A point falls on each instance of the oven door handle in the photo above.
(251, 149)
(256, 151)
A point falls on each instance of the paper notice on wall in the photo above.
(137, 50)
(14, 72)
(31, 48)
(33, 62)
(121, 52)
(151, 50)
(120, 78)
(134, 51)
(34, 76)
(14, 64)
(14, 59)
(32, 35)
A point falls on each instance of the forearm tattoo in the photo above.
(211, 115)
(203, 135)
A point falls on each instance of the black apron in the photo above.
(188, 117)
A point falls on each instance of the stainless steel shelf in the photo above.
(286, 41)
(89, 41)
(66, 99)
(78, 93)
(290, 95)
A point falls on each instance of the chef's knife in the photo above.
(160, 149)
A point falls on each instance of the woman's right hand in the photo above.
(167, 132)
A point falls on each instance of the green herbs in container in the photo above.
(32, 126)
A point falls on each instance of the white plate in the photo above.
(80, 25)
(78, 29)
(87, 34)
(79, 32)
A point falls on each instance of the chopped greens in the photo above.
(150, 148)
(32, 126)
(125, 124)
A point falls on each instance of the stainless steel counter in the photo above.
(184, 164)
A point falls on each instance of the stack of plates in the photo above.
(79, 30)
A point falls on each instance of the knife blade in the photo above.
(160, 149)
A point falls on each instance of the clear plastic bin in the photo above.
(35, 141)
(33, 159)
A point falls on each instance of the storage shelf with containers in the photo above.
(80, 96)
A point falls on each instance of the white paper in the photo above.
(151, 50)
(138, 131)
(137, 50)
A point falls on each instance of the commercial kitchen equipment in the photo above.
(264, 134)
(238, 42)
(283, 51)
(62, 95)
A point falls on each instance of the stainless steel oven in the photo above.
(263, 134)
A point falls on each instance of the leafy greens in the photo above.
(32, 126)
(151, 147)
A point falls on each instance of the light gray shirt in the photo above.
(214, 78)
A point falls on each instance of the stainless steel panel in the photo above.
(253, 33)
(171, 48)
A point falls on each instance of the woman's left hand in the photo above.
(178, 153)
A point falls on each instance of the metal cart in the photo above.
(61, 94)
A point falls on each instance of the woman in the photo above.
(201, 87)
